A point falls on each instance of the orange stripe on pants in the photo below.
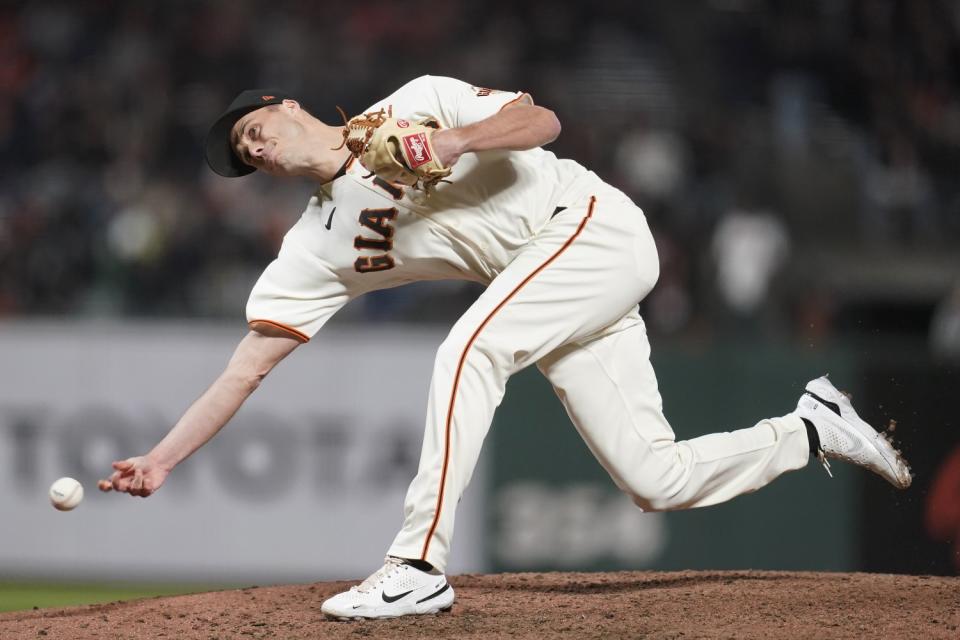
(463, 357)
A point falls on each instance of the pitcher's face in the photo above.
(272, 139)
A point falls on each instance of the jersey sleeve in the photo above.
(454, 102)
(296, 293)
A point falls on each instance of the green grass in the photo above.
(27, 595)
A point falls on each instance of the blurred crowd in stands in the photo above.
(791, 156)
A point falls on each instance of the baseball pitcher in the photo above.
(444, 180)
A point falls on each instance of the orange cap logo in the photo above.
(265, 98)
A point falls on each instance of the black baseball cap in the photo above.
(219, 150)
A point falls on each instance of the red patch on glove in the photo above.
(416, 150)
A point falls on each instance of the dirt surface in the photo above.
(688, 604)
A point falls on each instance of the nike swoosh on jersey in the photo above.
(330, 218)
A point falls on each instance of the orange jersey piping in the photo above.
(302, 337)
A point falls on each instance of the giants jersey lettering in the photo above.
(359, 234)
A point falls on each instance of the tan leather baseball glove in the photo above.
(396, 150)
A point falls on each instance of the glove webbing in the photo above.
(365, 125)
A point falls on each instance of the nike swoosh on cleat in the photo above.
(387, 598)
(446, 585)
(833, 406)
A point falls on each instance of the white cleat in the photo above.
(396, 589)
(844, 436)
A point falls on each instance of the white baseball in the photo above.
(66, 494)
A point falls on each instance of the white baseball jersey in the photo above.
(360, 234)
(566, 259)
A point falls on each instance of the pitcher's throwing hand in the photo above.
(137, 476)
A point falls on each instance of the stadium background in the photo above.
(797, 163)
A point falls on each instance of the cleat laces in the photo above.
(390, 564)
(823, 460)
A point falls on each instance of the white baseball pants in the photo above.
(568, 302)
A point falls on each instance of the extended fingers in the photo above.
(119, 482)
(123, 465)
(123, 480)
(128, 477)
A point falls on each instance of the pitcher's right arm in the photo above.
(256, 355)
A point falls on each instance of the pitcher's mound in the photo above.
(686, 604)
